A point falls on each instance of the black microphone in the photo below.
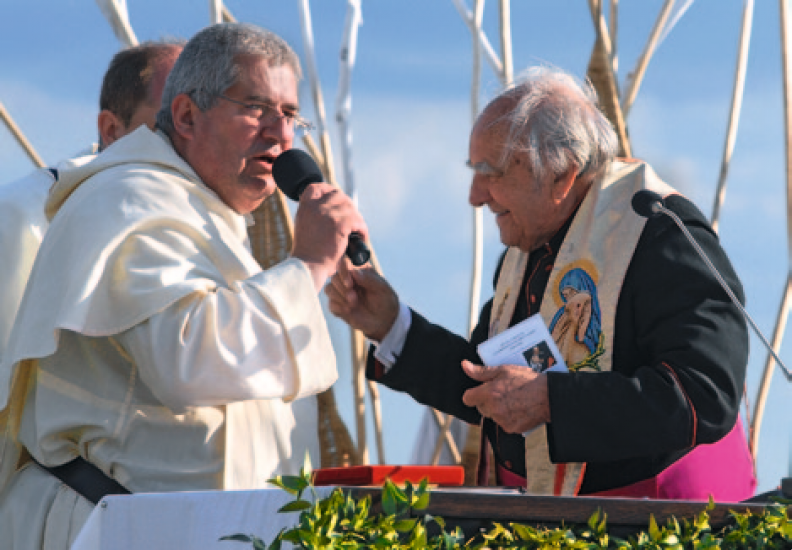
(649, 204)
(294, 170)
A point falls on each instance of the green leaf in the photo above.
(654, 532)
(291, 484)
(405, 525)
(258, 544)
(238, 537)
(421, 502)
(342, 522)
(292, 535)
(307, 468)
(436, 519)
(295, 506)
(594, 520)
(393, 499)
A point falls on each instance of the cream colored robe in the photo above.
(22, 227)
(154, 345)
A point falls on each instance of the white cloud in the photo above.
(409, 154)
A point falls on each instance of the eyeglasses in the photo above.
(484, 168)
(269, 114)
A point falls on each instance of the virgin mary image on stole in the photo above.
(577, 326)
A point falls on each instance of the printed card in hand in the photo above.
(527, 343)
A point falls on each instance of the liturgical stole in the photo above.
(579, 303)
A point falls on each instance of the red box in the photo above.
(377, 474)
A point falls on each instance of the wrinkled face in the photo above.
(231, 149)
(526, 214)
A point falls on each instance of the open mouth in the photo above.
(267, 159)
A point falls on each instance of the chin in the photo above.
(259, 188)
(507, 239)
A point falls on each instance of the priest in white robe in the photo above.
(150, 344)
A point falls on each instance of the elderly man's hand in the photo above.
(364, 299)
(513, 396)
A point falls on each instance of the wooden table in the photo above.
(474, 509)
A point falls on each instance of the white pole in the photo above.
(215, 11)
(20, 137)
(506, 43)
(736, 107)
(636, 76)
(783, 312)
(767, 373)
(343, 108)
(614, 35)
(474, 21)
(344, 94)
(358, 374)
(468, 18)
(115, 11)
(316, 90)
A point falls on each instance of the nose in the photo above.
(279, 129)
(479, 195)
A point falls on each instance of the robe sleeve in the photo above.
(262, 338)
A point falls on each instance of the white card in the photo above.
(527, 343)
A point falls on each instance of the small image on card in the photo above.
(539, 357)
(527, 343)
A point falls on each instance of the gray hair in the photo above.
(208, 66)
(556, 122)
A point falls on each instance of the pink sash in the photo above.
(723, 469)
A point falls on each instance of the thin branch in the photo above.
(736, 107)
(506, 42)
(115, 11)
(20, 137)
(316, 90)
(468, 18)
(643, 61)
(783, 312)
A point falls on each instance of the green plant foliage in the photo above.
(342, 522)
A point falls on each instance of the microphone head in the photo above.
(293, 171)
(645, 203)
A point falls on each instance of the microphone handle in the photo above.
(356, 249)
(658, 207)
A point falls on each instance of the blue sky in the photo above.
(410, 122)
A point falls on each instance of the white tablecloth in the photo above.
(188, 520)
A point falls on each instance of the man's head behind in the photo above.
(132, 88)
(555, 121)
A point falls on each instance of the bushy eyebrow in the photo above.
(484, 168)
(266, 101)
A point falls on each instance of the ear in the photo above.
(110, 128)
(184, 110)
(563, 185)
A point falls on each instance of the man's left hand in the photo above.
(515, 397)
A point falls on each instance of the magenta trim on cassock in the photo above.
(723, 469)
